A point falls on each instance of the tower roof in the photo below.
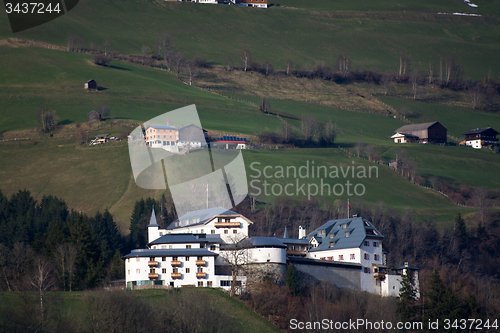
(152, 222)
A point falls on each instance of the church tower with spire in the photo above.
(153, 232)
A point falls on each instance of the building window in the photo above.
(200, 258)
(201, 231)
(188, 270)
(347, 233)
(321, 232)
(200, 269)
(152, 270)
(163, 270)
(366, 256)
(235, 231)
(138, 271)
(188, 246)
(375, 244)
(175, 258)
(209, 283)
(151, 258)
(170, 246)
(341, 257)
(353, 256)
(376, 257)
(212, 247)
(344, 225)
(367, 269)
(366, 243)
(332, 244)
(128, 272)
(200, 283)
(163, 258)
(226, 231)
(128, 260)
(175, 270)
(187, 258)
(212, 231)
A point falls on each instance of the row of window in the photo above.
(164, 270)
(352, 256)
(367, 243)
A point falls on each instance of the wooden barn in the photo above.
(91, 85)
(94, 116)
(432, 132)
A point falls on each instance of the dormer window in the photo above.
(321, 232)
(332, 244)
(347, 233)
(344, 225)
(332, 235)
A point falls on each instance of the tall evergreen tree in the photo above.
(406, 306)
(291, 280)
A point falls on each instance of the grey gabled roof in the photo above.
(357, 227)
(169, 253)
(479, 131)
(152, 221)
(200, 216)
(266, 242)
(303, 241)
(416, 127)
(186, 238)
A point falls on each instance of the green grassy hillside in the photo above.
(76, 309)
(372, 34)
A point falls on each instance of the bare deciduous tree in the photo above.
(236, 255)
(404, 66)
(415, 81)
(103, 110)
(41, 280)
(178, 63)
(288, 66)
(74, 43)
(265, 106)
(287, 131)
(481, 203)
(359, 147)
(246, 59)
(229, 64)
(430, 72)
(476, 96)
(46, 119)
(268, 68)
(309, 126)
(145, 52)
(330, 132)
(191, 71)
(106, 46)
(386, 81)
(343, 65)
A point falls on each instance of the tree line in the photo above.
(447, 73)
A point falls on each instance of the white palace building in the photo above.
(199, 248)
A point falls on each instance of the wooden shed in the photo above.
(94, 116)
(91, 85)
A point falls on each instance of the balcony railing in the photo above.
(201, 274)
(227, 224)
(153, 263)
(176, 275)
(153, 275)
(379, 275)
(201, 262)
(175, 263)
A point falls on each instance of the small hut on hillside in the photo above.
(91, 85)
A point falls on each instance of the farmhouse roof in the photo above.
(416, 127)
(89, 81)
(479, 131)
(102, 136)
(230, 139)
(161, 126)
(345, 233)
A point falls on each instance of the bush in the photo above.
(101, 60)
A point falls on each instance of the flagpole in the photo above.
(347, 208)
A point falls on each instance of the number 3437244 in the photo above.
(32, 8)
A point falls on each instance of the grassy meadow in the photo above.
(372, 34)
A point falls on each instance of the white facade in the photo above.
(189, 251)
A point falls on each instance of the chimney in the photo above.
(302, 232)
